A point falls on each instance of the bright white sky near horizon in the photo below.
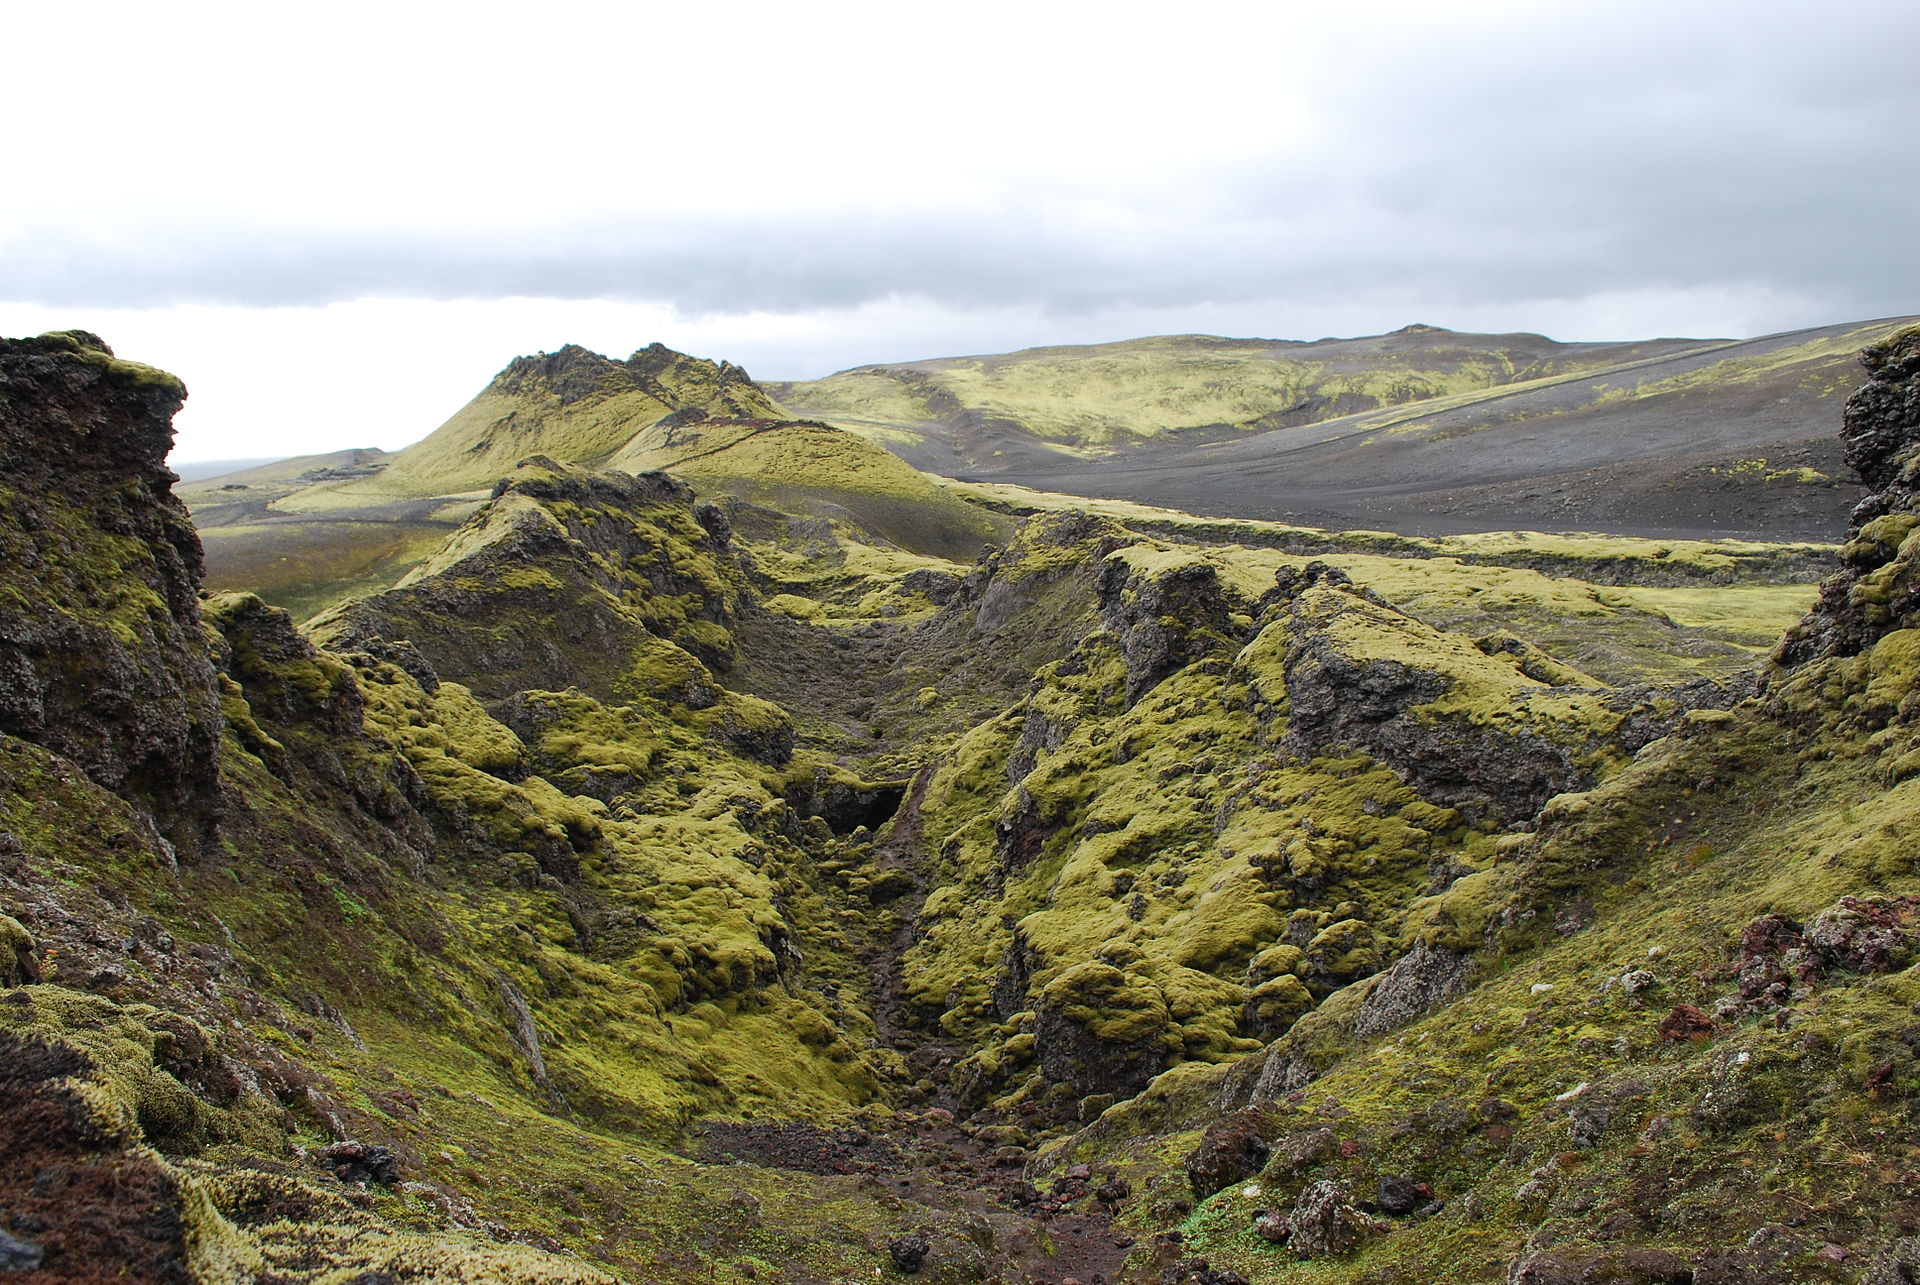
(337, 222)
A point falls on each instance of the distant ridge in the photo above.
(1423, 430)
(199, 470)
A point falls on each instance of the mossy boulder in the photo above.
(19, 953)
(1102, 1030)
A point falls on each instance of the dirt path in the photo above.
(1061, 1236)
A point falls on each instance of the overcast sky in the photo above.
(337, 221)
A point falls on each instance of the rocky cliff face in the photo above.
(102, 659)
(1486, 726)
(1876, 591)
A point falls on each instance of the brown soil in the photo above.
(931, 1160)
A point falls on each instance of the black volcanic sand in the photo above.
(1699, 496)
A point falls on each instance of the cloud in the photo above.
(1509, 152)
(249, 194)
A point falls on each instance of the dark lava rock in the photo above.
(1881, 430)
(908, 1251)
(358, 1162)
(1866, 934)
(1340, 703)
(1166, 620)
(103, 659)
(1198, 1271)
(1083, 1051)
(1305, 1148)
(1769, 935)
(1399, 1196)
(1230, 1150)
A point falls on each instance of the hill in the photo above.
(1420, 431)
(1045, 407)
(571, 405)
(306, 532)
(801, 467)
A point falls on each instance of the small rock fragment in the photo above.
(1271, 1227)
(1230, 1150)
(357, 1162)
(908, 1252)
(1324, 1223)
(1398, 1195)
(1637, 982)
(1685, 1022)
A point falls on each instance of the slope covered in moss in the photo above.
(573, 405)
(1422, 430)
(678, 888)
(1098, 398)
(1664, 1034)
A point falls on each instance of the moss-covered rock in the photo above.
(101, 656)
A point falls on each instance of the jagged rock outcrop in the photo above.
(101, 654)
(1476, 726)
(555, 583)
(1877, 590)
(1166, 611)
(693, 387)
(1420, 981)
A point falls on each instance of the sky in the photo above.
(336, 222)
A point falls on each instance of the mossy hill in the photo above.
(1423, 430)
(306, 532)
(686, 883)
(573, 405)
(1100, 399)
